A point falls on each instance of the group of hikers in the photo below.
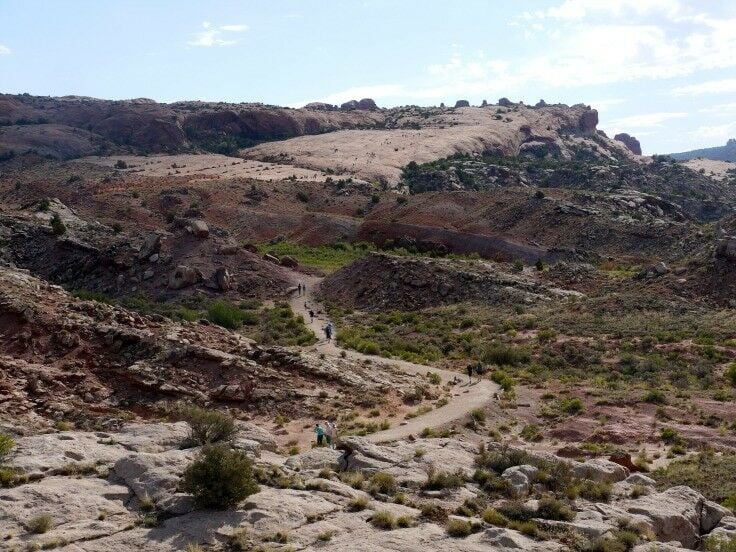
(301, 289)
(475, 368)
(329, 329)
(327, 436)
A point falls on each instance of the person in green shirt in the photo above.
(320, 431)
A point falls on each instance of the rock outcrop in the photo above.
(630, 142)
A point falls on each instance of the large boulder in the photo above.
(157, 476)
(151, 245)
(520, 477)
(630, 142)
(184, 276)
(349, 105)
(600, 469)
(222, 280)
(675, 514)
(462, 103)
(367, 104)
(199, 229)
(726, 249)
(588, 121)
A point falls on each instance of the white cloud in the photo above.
(646, 120)
(234, 28)
(708, 87)
(213, 36)
(580, 9)
(720, 109)
(4, 50)
(715, 132)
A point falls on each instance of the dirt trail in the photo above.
(464, 397)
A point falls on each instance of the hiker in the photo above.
(469, 369)
(319, 430)
(329, 432)
(299, 288)
(328, 331)
(479, 369)
(311, 316)
(347, 451)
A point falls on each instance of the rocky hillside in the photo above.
(718, 153)
(381, 282)
(74, 126)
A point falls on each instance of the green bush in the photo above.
(571, 406)
(516, 510)
(230, 316)
(554, 509)
(720, 544)
(7, 444)
(494, 517)
(208, 426)
(40, 524)
(219, 477)
(57, 226)
(459, 528)
(499, 461)
(438, 480)
(383, 519)
(708, 473)
(505, 355)
(655, 396)
(731, 373)
(384, 483)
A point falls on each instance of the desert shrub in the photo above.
(120, 164)
(554, 509)
(618, 541)
(437, 480)
(383, 519)
(505, 355)
(708, 473)
(517, 266)
(655, 396)
(670, 436)
(571, 406)
(40, 524)
(382, 482)
(57, 226)
(358, 503)
(516, 510)
(459, 528)
(89, 295)
(731, 373)
(230, 316)
(302, 196)
(353, 478)
(491, 482)
(208, 426)
(434, 378)
(595, 491)
(501, 460)
(219, 477)
(494, 517)
(503, 379)
(530, 432)
(720, 543)
(7, 444)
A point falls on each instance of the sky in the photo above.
(661, 70)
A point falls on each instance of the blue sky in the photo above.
(662, 70)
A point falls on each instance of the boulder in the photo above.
(228, 249)
(184, 276)
(222, 279)
(151, 245)
(505, 102)
(367, 104)
(349, 105)
(540, 103)
(157, 476)
(711, 515)
(499, 538)
(726, 528)
(320, 106)
(462, 103)
(588, 121)
(640, 479)
(271, 258)
(314, 459)
(630, 142)
(675, 514)
(726, 249)
(520, 477)
(199, 228)
(600, 469)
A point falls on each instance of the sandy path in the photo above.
(464, 397)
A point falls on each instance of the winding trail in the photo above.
(464, 399)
